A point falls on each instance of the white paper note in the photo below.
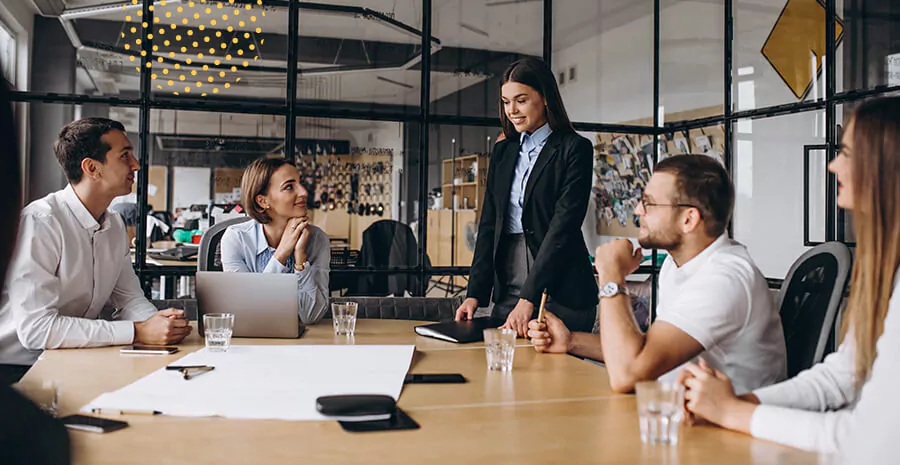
(265, 382)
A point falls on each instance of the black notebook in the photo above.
(460, 332)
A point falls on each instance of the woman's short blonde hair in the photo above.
(256, 182)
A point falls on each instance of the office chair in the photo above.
(210, 256)
(809, 300)
(387, 244)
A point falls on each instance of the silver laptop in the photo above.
(263, 304)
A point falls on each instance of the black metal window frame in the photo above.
(291, 109)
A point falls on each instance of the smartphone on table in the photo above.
(92, 424)
(148, 349)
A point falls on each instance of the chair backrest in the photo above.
(403, 308)
(809, 300)
(209, 257)
(387, 244)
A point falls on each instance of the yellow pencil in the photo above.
(541, 308)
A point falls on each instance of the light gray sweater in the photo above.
(819, 409)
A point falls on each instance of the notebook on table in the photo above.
(460, 332)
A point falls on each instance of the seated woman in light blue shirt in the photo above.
(279, 238)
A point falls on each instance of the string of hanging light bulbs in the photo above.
(198, 46)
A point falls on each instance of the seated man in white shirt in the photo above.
(713, 301)
(73, 259)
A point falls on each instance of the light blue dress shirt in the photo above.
(245, 250)
(530, 147)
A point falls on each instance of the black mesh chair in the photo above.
(387, 244)
(403, 308)
(210, 256)
(809, 300)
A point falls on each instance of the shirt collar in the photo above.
(261, 243)
(697, 262)
(538, 137)
(82, 214)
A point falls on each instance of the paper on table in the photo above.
(265, 382)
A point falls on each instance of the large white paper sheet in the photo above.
(265, 382)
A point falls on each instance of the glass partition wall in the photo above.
(389, 110)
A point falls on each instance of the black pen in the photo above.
(184, 367)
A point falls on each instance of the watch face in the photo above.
(609, 289)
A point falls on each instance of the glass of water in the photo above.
(46, 396)
(659, 411)
(343, 316)
(500, 347)
(217, 327)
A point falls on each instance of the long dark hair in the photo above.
(536, 74)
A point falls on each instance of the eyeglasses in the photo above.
(645, 204)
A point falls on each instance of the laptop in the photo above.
(263, 304)
(460, 332)
(184, 253)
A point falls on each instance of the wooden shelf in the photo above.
(466, 157)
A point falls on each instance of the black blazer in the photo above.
(556, 201)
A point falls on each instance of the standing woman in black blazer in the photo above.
(538, 187)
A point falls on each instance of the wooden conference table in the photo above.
(551, 409)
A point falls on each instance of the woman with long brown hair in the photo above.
(847, 403)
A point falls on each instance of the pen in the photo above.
(184, 367)
(127, 412)
(541, 308)
(190, 373)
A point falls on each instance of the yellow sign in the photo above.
(797, 38)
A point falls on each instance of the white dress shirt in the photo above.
(66, 269)
(721, 299)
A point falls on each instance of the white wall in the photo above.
(190, 186)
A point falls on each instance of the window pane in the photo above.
(43, 172)
(199, 49)
(363, 55)
(869, 53)
(768, 176)
(603, 59)
(479, 39)
(691, 55)
(353, 167)
(219, 50)
(457, 176)
(8, 47)
(779, 51)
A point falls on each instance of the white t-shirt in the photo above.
(721, 299)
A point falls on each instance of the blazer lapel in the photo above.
(506, 170)
(544, 158)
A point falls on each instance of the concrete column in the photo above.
(52, 70)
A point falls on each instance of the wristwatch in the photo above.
(301, 266)
(612, 289)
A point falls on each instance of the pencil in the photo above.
(126, 412)
(541, 308)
